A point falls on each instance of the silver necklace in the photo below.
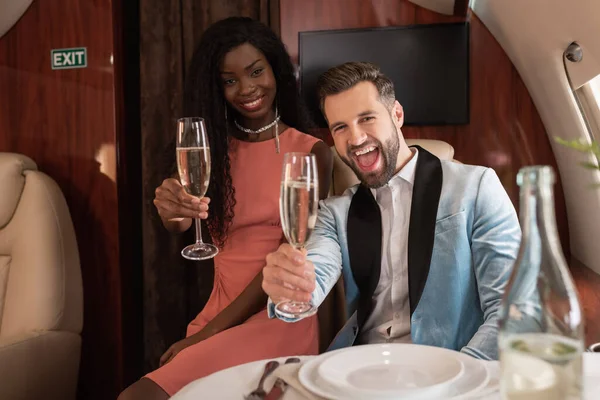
(264, 128)
(259, 130)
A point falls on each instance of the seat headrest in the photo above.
(12, 180)
(440, 149)
(344, 177)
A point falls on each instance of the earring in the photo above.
(276, 130)
(226, 122)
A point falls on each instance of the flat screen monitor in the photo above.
(429, 65)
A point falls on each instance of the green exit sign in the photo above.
(75, 57)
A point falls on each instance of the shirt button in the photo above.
(397, 315)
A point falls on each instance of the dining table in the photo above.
(239, 381)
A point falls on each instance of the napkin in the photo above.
(289, 374)
(591, 373)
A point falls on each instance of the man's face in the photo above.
(366, 133)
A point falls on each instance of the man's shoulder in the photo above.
(458, 170)
(342, 201)
(461, 183)
(458, 175)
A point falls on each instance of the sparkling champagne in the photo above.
(298, 205)
(540, 366)
(193, 164)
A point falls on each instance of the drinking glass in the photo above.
(298, 202)
(193, 165)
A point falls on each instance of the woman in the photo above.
(242, 81)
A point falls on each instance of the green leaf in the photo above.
(579, 145)
(589, 165)
(520, 345)
(561, 349)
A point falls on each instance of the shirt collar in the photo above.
(407, 173)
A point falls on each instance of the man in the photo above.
(425, 246)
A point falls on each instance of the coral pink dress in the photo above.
(255, 232)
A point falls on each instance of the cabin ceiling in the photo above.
(10, 12)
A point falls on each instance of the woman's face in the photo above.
(248, 82)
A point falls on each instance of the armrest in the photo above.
(40, 365)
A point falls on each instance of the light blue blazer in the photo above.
(464, 236)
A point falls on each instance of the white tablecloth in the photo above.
(234, 383)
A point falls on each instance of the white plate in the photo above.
(392, 370)
(474, 377)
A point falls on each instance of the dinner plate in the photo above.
(392, 370)
(474, 377)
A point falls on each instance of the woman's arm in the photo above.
(176, 207)
(177, 225)
(253, 298)
(249, 302)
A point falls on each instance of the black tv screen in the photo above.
(429, 65)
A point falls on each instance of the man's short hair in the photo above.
(343, 77)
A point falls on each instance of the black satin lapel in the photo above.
(425, 199)
(364, 247)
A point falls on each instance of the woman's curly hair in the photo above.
(203, 97)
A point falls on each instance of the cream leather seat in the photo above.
(344, 177)
(41, 294)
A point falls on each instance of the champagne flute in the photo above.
(298, 202)
(193, 165)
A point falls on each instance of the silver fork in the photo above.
(259, 393)
(280, 383)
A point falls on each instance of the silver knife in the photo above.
(280, 386)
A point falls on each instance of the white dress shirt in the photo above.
(389, 320)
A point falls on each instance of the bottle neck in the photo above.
(537, 216)
(541, 249)
(540, 295)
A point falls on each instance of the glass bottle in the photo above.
(541, 335)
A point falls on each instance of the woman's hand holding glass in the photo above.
(193, 166)
(173, 203)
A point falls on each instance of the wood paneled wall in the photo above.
(66, 121)
(588, 287)
(505, 130)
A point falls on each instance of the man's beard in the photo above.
(389, 156)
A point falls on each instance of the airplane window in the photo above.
(588, 97)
